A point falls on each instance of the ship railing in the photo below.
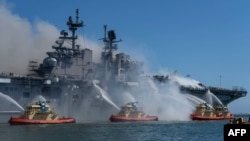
(233, 89)
(69, 76)
(238, 89)
(11, 74)
(192, 88)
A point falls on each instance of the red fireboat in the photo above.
(204, 112)
(39, 113)
(131, 112)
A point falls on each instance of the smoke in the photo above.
(163, 100)
(166, 101)
(22, 41)
(97, 49)
(18, 41)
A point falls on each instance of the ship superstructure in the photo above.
(68, 73)
(57, 74)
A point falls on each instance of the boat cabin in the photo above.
(131, 110)
(39, 111)
(204, 110)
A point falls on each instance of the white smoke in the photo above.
(22, 41)
(187, 82)
(19, 43)
(167, 102)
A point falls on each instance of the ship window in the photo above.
(26, 94)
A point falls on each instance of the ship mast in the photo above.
(64, 54)
(108, 49)
(108, 41)
(72, 27)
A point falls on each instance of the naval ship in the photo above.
(223, 95)
(69, 76)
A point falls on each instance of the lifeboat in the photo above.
(204, 112)
(131, 112)
(39, 113)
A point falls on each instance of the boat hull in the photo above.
(200, 117)
(23, 121)
(115, 118)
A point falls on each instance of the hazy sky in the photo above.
(201, 38)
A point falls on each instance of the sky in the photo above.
(208, 40)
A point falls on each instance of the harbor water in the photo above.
(109, 131)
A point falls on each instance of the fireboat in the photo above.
(39, 113)
(131, 112)
(204, 112)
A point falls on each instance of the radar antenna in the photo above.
(108, 41)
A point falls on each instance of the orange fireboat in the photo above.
(204, 112)
(131, 112)
(39, 113)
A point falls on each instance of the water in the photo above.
(10, 100)
(197, 100)
(108, 131)
(211, 97)
(105, 96)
